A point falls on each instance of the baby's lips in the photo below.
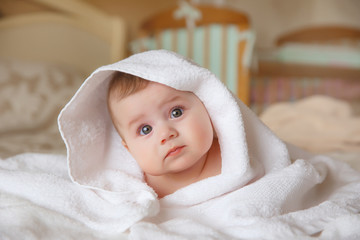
(174, 151)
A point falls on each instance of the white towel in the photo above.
(266, 189)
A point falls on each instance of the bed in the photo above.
(307, 90)
(47, 48)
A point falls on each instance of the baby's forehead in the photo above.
(156, 95)
(153, 94)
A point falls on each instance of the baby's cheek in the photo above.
(204, 132)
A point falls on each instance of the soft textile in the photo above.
(329, 122)
(31, 96)
(319, 124)
(39, 201)
(266, 189)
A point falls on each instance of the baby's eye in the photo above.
(145, 130)
(176, 112)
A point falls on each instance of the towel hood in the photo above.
(96, 157)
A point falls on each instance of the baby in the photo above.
(168, 132)
(148, 145)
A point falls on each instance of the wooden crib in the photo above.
(321, 60)
(219, 39)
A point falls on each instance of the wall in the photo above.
(272, 18)
(133, 11)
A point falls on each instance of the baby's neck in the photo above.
(209, 165)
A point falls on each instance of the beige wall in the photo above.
(133, 11)
(271, 18)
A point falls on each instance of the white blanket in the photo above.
(266, 189)
(39, 201)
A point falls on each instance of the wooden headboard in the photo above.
(320, 34)
(68, 31)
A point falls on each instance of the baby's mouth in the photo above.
(174, 151)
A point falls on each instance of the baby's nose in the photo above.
(168, 133)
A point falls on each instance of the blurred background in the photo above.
(269, 18)
(294, 63)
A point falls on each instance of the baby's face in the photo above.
(165, 130)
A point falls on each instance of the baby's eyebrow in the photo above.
(135, 119)
(173, 99)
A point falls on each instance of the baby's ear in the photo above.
(125, 145)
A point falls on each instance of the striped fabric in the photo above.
(268, 90)
(214, 47)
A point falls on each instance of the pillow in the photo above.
(32, 94)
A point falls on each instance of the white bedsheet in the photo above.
(22, 213)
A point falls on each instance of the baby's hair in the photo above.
(124, 84)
